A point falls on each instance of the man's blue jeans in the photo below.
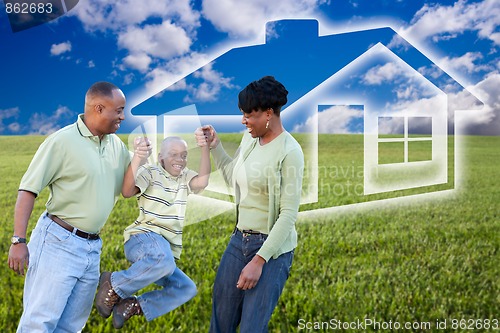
(251, 309)
(153, 262)
(62, 278)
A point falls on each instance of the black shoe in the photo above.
(125, 309)
(106, 297)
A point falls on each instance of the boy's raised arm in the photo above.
(142, 150)
(199, 182)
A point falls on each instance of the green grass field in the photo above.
(418, 262)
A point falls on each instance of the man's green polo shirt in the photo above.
(84, 175)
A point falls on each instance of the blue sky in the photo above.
(205, 51)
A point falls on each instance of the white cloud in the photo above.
(484, 121)
(209, 88)
(495, 37)
(418, 105)
(334, 120)
(406, 85)
(466, 62)
(44, 124)
(399, 79)
(38, 123)
(91, 64)
(431, 71)
(14, 127)
(158, 79)
(58, 49)
(206, 84)
(380, 74)
(139, 61)
(104, 15)
(5, 114)
(173, 71)
(390, 125)
(446, 22)
(128, 79)
(9, 113)
(487, 120)
(163, 41)
(62, 111)
(179, 85)
(148, 30)
(244, 18)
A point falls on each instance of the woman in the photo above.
(266, 174)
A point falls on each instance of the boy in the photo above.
(154, 240)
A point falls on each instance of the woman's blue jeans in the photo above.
(153, 262)
(251, 309)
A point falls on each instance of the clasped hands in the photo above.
(206, 135)
(142, 148)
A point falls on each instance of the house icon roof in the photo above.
(335, 53)
(306, 51)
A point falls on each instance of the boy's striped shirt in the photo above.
(162, 204)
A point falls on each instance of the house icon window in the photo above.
(404, 139)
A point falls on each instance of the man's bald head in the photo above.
(100, 89)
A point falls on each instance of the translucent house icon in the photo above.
(407, 142)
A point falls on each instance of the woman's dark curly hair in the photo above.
(263, 94)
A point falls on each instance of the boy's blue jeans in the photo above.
(153, 262)
(250, 309)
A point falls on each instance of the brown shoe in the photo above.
(125, 309)
(106, 297)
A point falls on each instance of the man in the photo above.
(83, 165)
